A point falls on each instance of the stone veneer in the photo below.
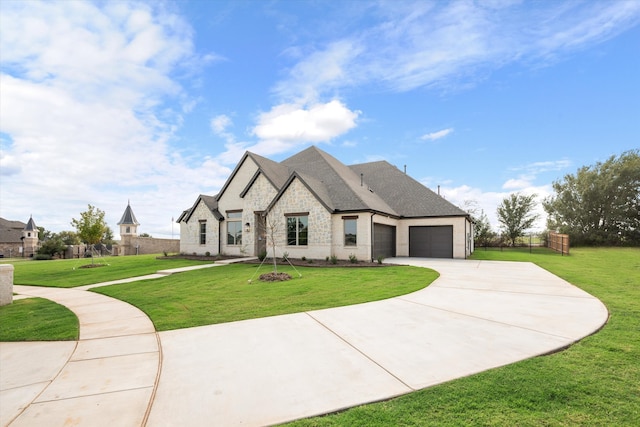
(190, 232)
(257, 199)
(297, 198)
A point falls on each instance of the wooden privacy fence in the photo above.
(559, 242)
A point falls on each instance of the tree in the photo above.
(516, 216)
(91, 226)
(69, 237)
(599, 204)
(482, 233)
(52, 246)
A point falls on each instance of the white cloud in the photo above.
(436, 135)
(83, 115)
(288, 126)
(516, 184)
(450, 44)
(220, 123)
(488, 201)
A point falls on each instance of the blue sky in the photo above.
(155, 102)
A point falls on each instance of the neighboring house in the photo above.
(18, 239)
(314, 206)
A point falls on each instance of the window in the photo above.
(350, 231)
(203, 232)
(128, 230)
(297, 230)
(234, 228)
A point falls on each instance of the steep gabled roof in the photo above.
(273, 171)
(211, 202)
(338, 187)
(128, 218)
(31, 225)
(406, 196)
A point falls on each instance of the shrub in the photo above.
(42, 257)
(285, 256)
(333, 259)
(380, 259)
(207, 253)
(353, 259)
(262, 255)
(304, 258)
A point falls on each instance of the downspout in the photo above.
(372, 239)
(219, 235)
(466, 239)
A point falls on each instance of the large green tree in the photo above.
(91, 226)
(515, 214)
(599, 204)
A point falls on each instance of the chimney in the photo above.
(438, 190)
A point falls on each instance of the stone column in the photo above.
(6, 284)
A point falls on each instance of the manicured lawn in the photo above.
(223, 294)
(37, 319)
(596, 382)
(67, 273)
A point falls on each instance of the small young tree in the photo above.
(91, 226)
(516, 216)
(482, 232)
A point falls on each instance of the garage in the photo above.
(384, 241)
(431, 241)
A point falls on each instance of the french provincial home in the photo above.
(312, 205)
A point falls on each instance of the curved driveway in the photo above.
(478, 315)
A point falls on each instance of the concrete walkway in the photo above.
(478, 315)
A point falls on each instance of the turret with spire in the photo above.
(128, 223)
(30, 238)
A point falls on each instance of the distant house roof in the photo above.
(128, 218)
(11, 231)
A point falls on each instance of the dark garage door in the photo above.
(384, 241)
(431, 242)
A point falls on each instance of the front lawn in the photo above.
(68, 273)
(37, 319)
(595, 382)
(223, 294)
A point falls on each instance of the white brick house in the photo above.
(314, 206)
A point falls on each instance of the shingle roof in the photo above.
(404, 194)
(377, 186)
(275, 172)
(128, 218)
(31, 225)
(338, 186)
(11, 231)
(211, 202)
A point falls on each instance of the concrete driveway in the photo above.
(478, 315)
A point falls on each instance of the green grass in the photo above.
(37, 319)
(68, 273)
(595, 382)
(223, 294)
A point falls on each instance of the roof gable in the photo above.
(211, 202)
(336, 184)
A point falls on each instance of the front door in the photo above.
(261, 234)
